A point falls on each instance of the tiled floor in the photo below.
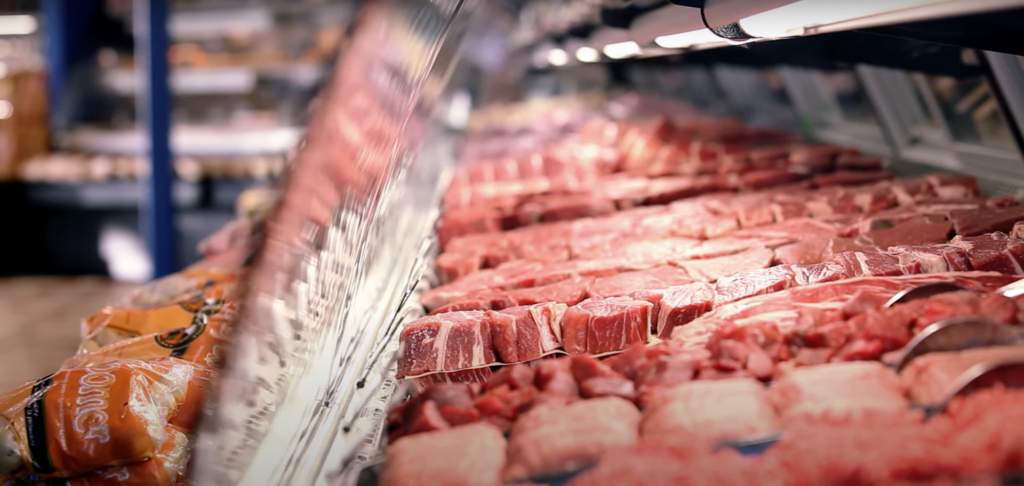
(39, 319)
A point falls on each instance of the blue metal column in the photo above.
(154, 105)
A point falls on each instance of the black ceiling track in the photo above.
(622, 18)
(996, 31)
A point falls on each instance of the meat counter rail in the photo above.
(769, 262)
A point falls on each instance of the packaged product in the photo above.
(201, 342)
(114, 324)
(81, 420)
(160, 292)
(166, 468)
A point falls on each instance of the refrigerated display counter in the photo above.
(697, 242)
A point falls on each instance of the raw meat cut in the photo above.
(818, 273)
(796, 229)
(551, 440)
(850, 178)
(818, 250)
(627, 282)
(446, 342)
(526, 332)
(826, 302)
(839, 392)
(709, 411)
(570, 292)
(754, 282)
(453, 266)
(712, 269)
(928, 378)
(974, 222)
(938, 258)
(877, 264)
(675, 306)
(993, 252)
(430, 459)
(606, 325)
(916, 231)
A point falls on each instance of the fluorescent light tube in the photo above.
(687, 39)
(18, 24)
(622, 50)
(791, 20)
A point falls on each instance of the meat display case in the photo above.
(302, 399)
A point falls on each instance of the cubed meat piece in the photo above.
(606, 325)
(710, 411)
(712, 269)
(464, 221)
(525, 333)
(818, 250)
(818, 273)
(453, 266)
(627, 282)
(916, 231)
(993, 253)
(938, 258)
(929, 378)
(754, 282)
(470, 455)
(839, 392)
(569, 292)
(877, 264)
(675, 306)
(553, 440)
(445, 342)
(597, 379)
(976, 222)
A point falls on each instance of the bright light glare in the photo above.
(687, 39)
(791, 20)
(6, 109)
(18, 24)
(622, 50)
(588, 54)
(558, 57)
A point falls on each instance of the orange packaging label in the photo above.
(201, 342)
(112, 324)
(81, 420)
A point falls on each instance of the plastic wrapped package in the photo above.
(166, 468)
(201, 342)
(114, 324)
(80, 420)
(159, 293)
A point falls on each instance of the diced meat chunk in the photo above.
(993, 253)
(754, 282)
(552, 440)
(938, 258)
(975, 222)
(712, 269)
(445, 342)
(525, 333)
(710, 411)
(675, 306)
(427, 459)
(877, 264)
(839, 392)
(627, 282)
(600, 326)
(818, 273)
